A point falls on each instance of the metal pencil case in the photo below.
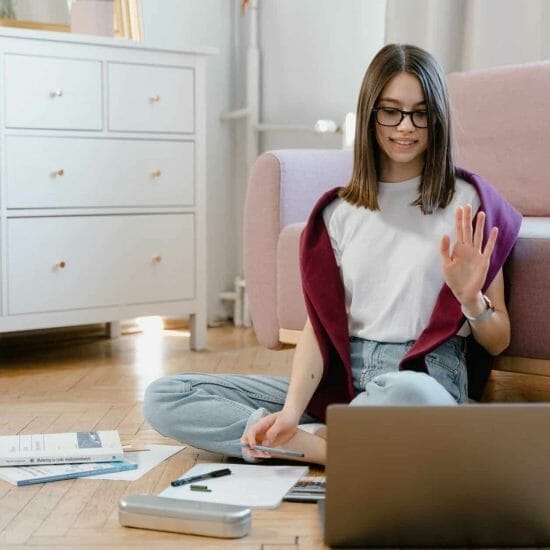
(184, 516)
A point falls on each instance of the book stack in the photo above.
(29, 459)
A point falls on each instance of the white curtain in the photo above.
(473, 34)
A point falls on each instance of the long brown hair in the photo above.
(437, 183)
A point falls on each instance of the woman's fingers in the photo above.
(458, 224)
(467, 224)
(271, 435)
(255, 434)
(444, 249)
(478, 233)
(490, 245)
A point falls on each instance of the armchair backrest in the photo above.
(501, 121)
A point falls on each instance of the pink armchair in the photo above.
(502, 130)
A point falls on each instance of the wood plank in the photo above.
(14, 500)
(31, 517)
(64, 515)
(95, 512)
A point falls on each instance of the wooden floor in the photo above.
(81, 380)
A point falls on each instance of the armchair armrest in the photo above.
(283, 188)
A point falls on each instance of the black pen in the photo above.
(209, 475)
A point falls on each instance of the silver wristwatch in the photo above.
(489, 310)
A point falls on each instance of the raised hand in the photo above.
(465, 268)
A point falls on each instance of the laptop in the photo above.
(467, 476)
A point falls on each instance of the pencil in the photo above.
(275, 450)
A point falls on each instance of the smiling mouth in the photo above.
(404, 142)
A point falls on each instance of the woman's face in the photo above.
(402, 148)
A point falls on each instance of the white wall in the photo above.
(314, 56)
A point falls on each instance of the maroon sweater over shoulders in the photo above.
(325, 301)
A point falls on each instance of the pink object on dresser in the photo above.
(501, 126)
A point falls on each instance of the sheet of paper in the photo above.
(146, 460)
(248, 485)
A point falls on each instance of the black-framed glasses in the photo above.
(389, 116)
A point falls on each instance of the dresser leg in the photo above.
(113, 329)
(197, 327)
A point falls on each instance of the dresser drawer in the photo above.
(52, 93)
(145, 98)
(45, 172)
(63, 263)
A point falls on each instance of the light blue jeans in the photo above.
(211, 411)
(372, 362)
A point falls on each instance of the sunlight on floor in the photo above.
(150, 325)
(150, 352)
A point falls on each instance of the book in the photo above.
(60, 448)
(248, 485)
(307, 489)
(28, 475)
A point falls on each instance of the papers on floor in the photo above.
(28, 475)
(145, 460)
(248, 485)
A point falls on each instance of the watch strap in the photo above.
(489, 310)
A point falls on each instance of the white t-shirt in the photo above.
(389, 259)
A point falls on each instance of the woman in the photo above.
(397, 273)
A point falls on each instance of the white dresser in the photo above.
(102, 168)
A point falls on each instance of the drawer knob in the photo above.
(56, 93)
(157, 259)
(59, 172)
(156, 174)
(154, 99)
(60, 265)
